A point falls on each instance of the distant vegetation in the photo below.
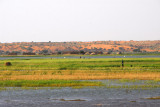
(88, 48)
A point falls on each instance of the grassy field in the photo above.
(78, 69)
(47, 83)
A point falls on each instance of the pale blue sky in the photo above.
(79, 20)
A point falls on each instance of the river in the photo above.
(75, 57)
(83, 97)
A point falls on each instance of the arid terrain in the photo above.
(94, 47)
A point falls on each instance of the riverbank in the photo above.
(80, 69)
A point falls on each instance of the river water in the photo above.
(75, 57)
(83, 97)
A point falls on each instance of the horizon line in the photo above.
(75, 41)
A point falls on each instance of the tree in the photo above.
(59, 52)
(29, 49)
(137, 50)
(82, 52)
(44, 51)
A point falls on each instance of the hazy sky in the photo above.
(79, 20)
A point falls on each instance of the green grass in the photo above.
(24, 66)
(47, 83)
(113, 64)
(68, 69)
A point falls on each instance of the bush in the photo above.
(8, 64)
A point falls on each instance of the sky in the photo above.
(79, 20)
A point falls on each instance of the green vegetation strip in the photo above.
(113, 64)
(47, 83)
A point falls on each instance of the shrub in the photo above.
(8, 64)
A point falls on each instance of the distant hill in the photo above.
(80, 47)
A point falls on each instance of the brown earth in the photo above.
(115, 46)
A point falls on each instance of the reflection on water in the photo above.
(90, 97)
